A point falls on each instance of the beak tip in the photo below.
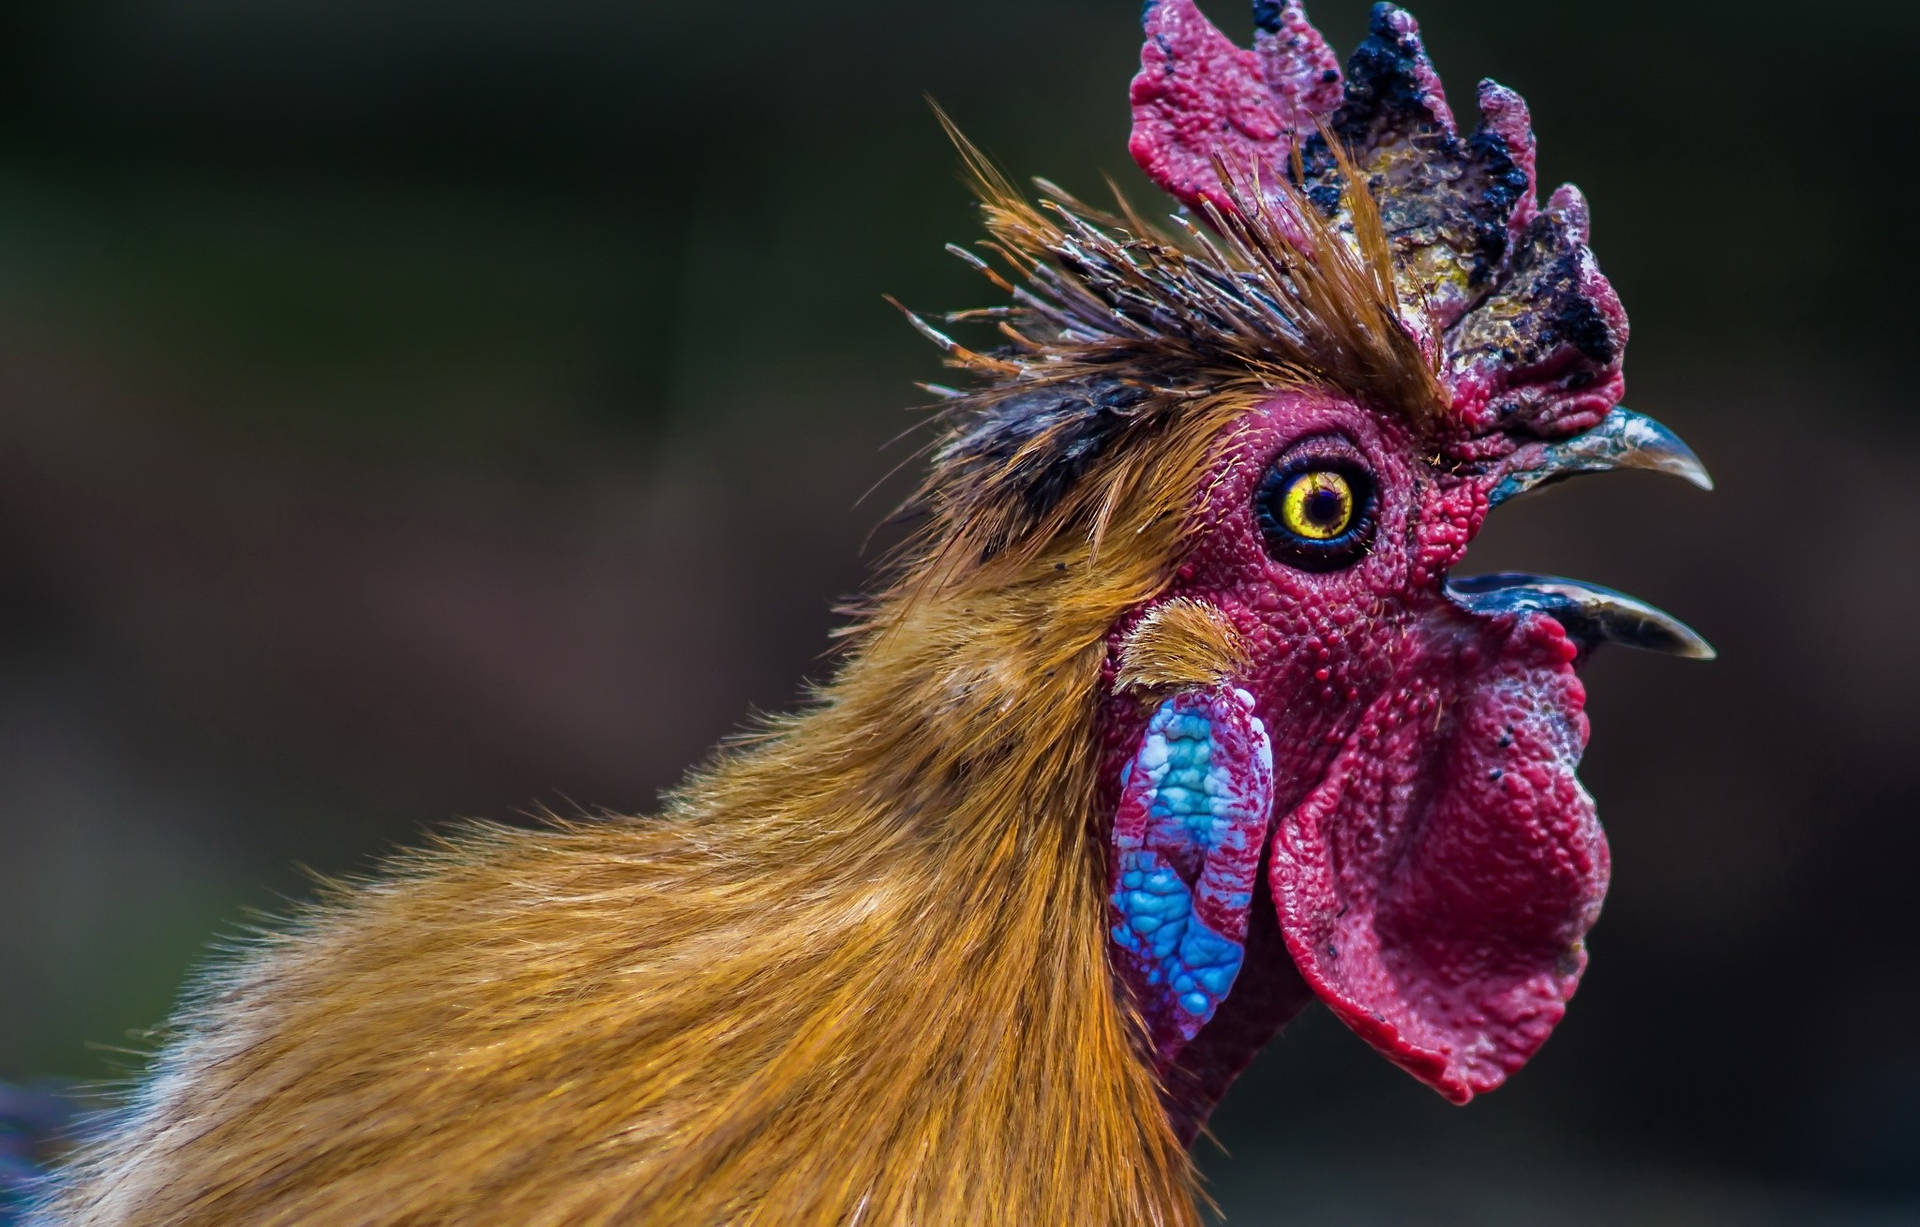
(1688, 468)
(1682, 640)
(1645, 443)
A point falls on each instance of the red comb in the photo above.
(1504, 296)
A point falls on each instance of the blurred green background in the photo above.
(442, 407)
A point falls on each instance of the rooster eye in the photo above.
(1315, 514)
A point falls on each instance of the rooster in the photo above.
(1169, 721)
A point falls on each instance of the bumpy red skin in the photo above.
(1433, 863)
(1197, 95)
(1529, 331)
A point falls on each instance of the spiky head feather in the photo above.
(1118, 332)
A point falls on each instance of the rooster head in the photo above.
(1334, 768)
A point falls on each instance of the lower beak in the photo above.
(1591, 614)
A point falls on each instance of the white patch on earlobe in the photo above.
(1153, 752)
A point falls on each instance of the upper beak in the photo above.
(1591, 614)
(1622, 440)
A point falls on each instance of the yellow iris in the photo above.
(1317, 505)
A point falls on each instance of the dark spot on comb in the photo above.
(1579, 322)
(1383, 84)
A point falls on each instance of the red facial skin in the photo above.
(1433, 863)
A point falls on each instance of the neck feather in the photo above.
(855, 972)
(951, 1045)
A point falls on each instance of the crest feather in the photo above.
(1116, 333)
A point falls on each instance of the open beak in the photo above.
(1591, 614)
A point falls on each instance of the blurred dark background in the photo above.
(438, 408)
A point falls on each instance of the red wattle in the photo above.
(1435, 889)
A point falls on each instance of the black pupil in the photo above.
(1323, 507)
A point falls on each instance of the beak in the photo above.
(1623, 440)
(1591, 614)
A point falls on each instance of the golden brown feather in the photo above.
(856, 970)
(1180, 642)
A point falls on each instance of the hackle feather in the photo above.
(855, 970)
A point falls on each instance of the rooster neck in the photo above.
(933, 824)
(855, 972)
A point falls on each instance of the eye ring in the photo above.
(1316, 510)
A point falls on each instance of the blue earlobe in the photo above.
(1195, 801)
